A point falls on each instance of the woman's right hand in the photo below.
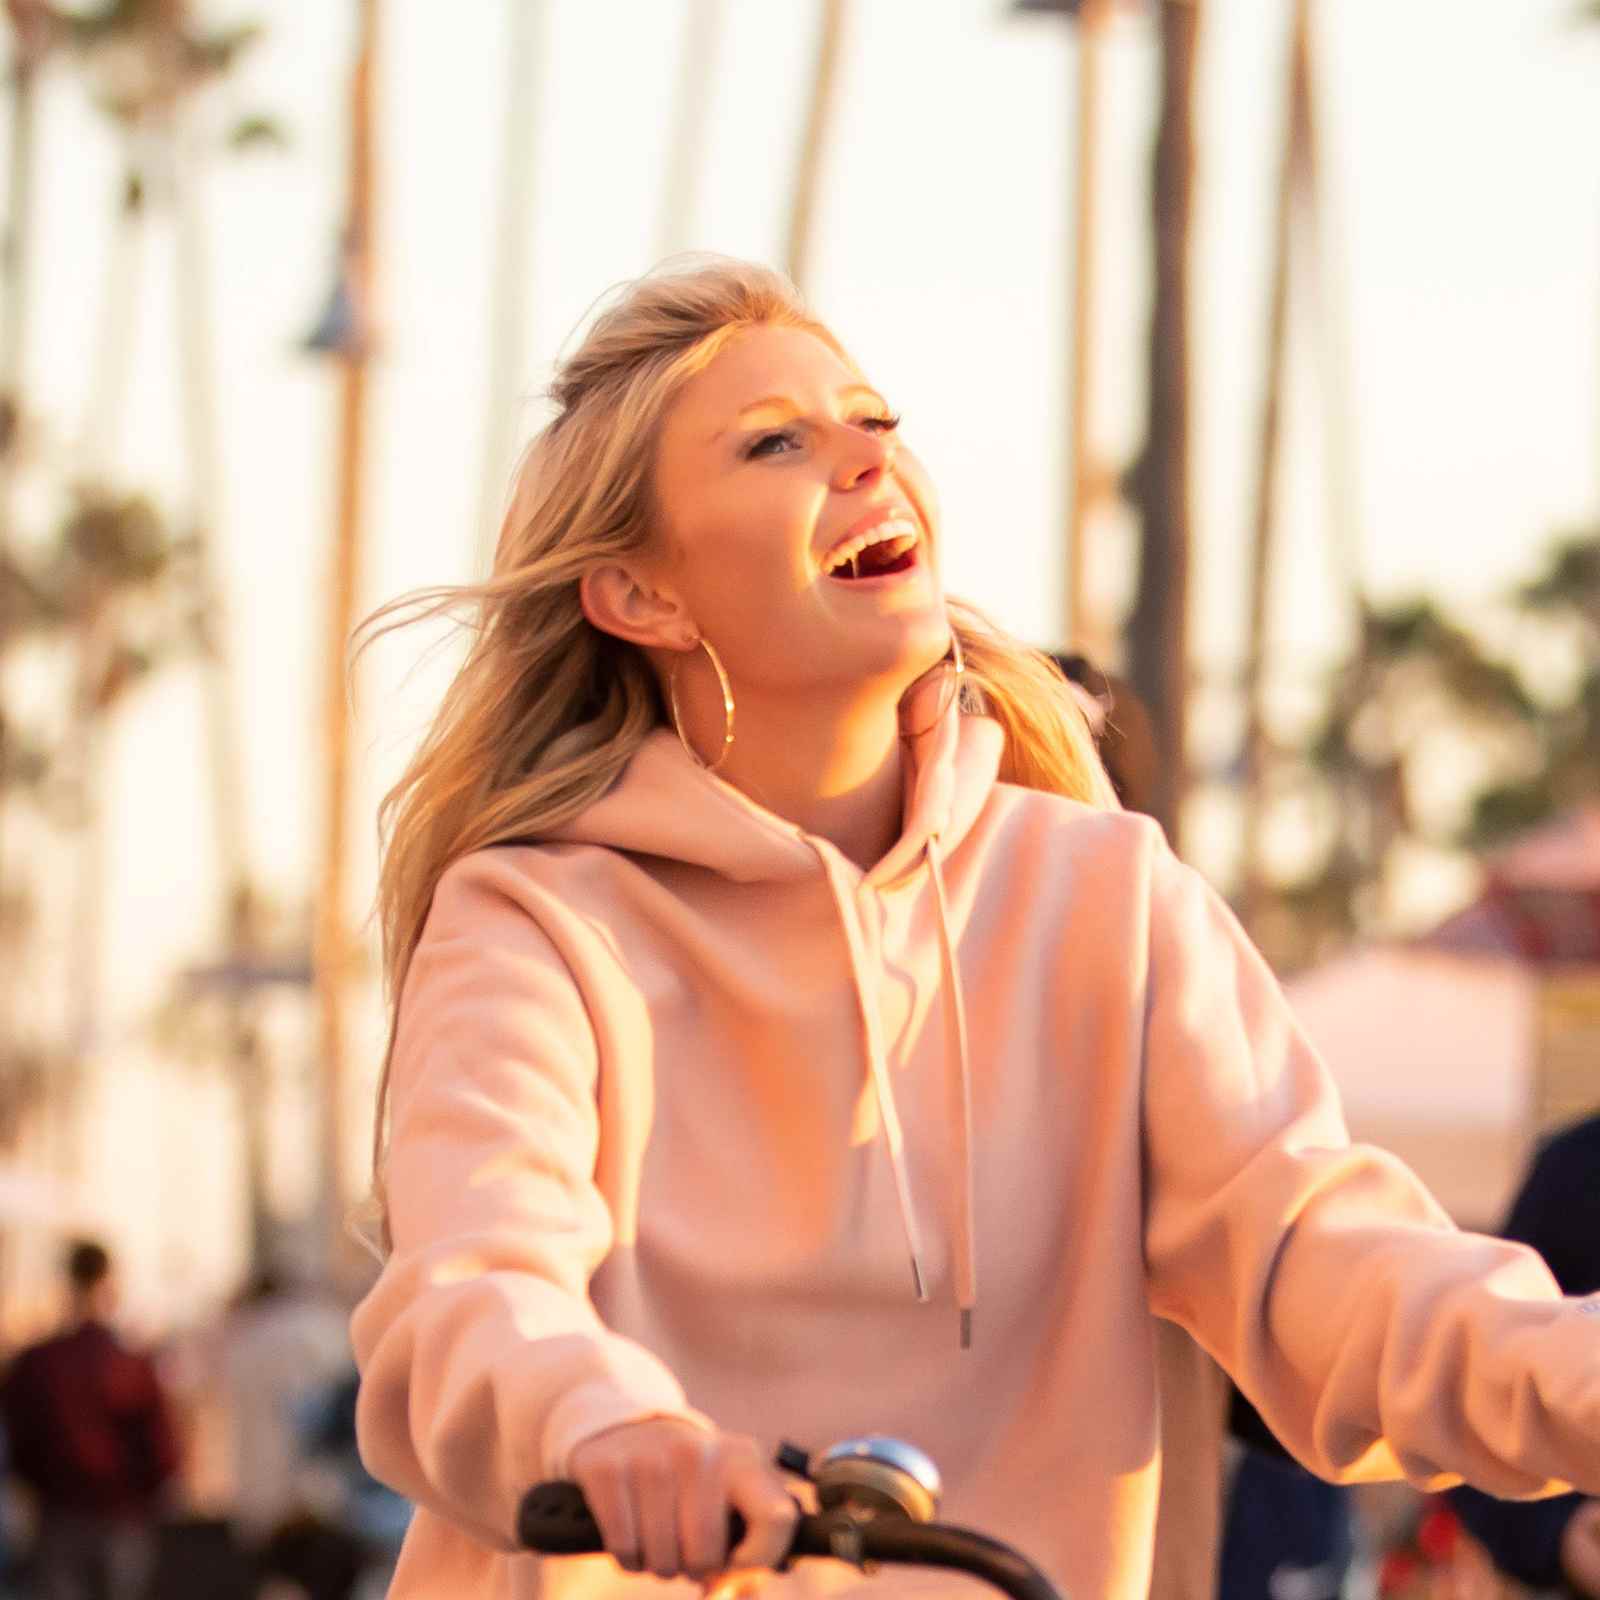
(661, 1491)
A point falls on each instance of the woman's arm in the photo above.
(483, 1360)
(1369, 1333)
(1557, 1213)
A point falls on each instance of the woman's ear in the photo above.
(620, 601)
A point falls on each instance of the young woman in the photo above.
(793, 1039)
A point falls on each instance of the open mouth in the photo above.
(889, 548)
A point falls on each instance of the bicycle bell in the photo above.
(876, 1475)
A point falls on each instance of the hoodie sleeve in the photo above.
(1374, 1337)
(483, 1360)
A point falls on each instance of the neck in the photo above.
(838, 777)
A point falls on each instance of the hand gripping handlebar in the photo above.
(554, 1519)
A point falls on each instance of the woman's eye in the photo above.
(876, 422)
(758, 447)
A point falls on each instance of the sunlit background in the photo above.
(284, 280)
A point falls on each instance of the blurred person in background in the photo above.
(1551, 1544)
(283, 1344)
(790, 1031)
(91, 1436)
(1120, 725)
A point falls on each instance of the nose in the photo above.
(863, 458)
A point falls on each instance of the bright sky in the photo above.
(1464, 214)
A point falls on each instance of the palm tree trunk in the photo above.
(16, 263)
(18, 259)
(113, 354)
(508, 319)
(85, 748)
(333, 948)
(686, 147)
(224, 746)
(1264, 536)
(1082, 629)
(808, 178)
(1158, 627)
(1337, 344)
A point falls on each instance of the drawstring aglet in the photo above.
(966, 1327)
(916, 1280)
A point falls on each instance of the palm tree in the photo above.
(686, 147)
(1293, 186)
(31, 38)
(1158, 627)
(31, 31)
(1564, 597)
(1087, 482)
(508, 309)
(98, 593)
(1418, 678)
(350, 344)
(143, 60)
(813, 144)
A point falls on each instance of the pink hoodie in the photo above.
(692, 1116)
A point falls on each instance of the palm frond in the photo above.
(257, 131)
(1571, 578)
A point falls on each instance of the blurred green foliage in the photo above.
(138, 57)
(108, 591)
(1419, 687)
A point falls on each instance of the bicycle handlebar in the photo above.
(554, 1519)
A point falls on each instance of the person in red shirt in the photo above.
(91, 1436)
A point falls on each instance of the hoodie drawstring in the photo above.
(882, 1086)
(963, 1251)
(958, 1058)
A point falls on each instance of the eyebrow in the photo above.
(787, 402)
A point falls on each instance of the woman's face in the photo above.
(775, 464)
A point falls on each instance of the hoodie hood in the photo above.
(666, 804)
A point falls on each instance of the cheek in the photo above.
(762, 535)
(739, 570)
(919, 488)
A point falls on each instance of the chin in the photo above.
(921, 650)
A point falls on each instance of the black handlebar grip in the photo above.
(555, 1520)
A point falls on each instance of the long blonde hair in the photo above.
(546, 710)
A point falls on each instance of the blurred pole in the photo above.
(333, 948)
(84, 747)
(113, 352)
(1158, 627)
(224, 752)
(808, 176)
(29, 39)
(508, 319)
(687, 147)
(1337, 352)
(1265, 531)
(1083, 629)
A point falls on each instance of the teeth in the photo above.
(898, 530)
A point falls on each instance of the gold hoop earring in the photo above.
(954, 683)
(727, 707)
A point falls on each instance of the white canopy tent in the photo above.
(1438, 1045)
(1435, 1056)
